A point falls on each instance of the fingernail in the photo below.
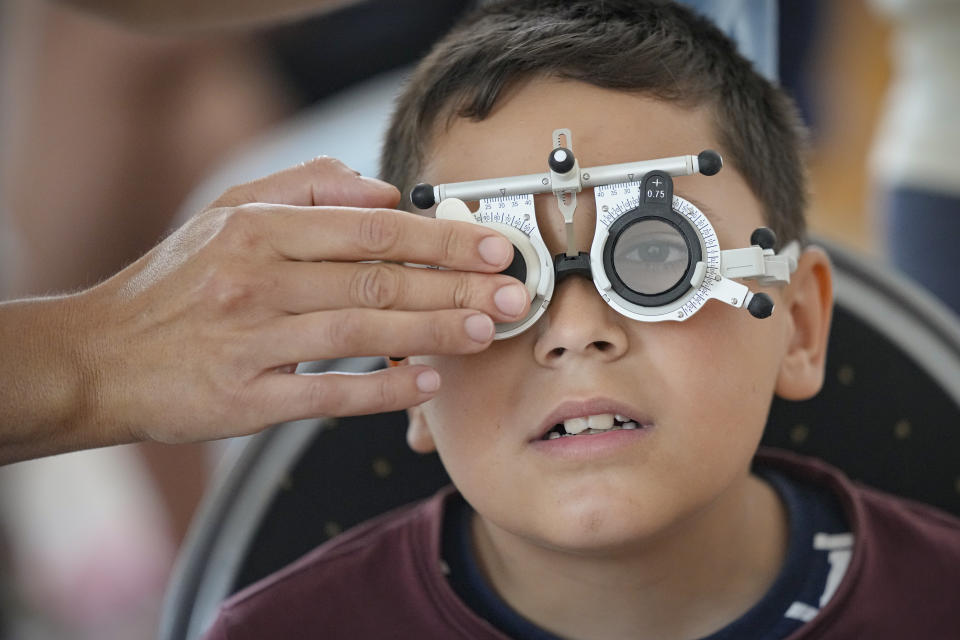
(380, 185)
(479, 327)
(495, 250)
(428, 381)
(511, 299)
(375, 182)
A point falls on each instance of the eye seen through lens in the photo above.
(651, 256)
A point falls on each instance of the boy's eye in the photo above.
(655, 250)
(651, 257)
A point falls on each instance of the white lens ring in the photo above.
(680, 286)
(616, 201)
(539, 281)
(516, 218)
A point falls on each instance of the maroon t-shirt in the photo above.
(385, 578)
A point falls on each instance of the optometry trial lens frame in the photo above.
(654, 256)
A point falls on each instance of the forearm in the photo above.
(190, 15)
(46, 404)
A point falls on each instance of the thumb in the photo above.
(323, 181)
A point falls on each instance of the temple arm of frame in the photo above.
(762, 265)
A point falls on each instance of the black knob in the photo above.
(518, 267)
(764, 237)
(710, 162)
(422, 196)
(561, 160)
(760, 306)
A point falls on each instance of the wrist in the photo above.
(49, 395)
(80, 335)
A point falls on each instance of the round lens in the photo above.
(651, 256)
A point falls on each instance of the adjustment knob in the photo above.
(710, 162)
(422, 196)
(760, 306)
(518, 267)
(561, 160)
(764, 237)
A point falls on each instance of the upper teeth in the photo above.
(601, 421)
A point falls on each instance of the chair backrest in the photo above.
(889, 415)
(889, 411)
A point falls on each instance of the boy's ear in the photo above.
(419, 437)
(809, 301)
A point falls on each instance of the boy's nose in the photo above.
(577, 325)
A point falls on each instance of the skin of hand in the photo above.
(198, 339)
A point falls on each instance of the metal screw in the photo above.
(545, 181)
(586, 176)
(605, 208)
(734, 300)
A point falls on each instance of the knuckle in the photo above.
(377, 286)
(462, 291)
(449, 244)
(386, 393)
(323, 397)
(235, 195)
(331, 180)
(328, 164)
(345, 331)
(379, 231)
(228, 289)
(240, 229)
(439, 334)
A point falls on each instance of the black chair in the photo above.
(889, 415)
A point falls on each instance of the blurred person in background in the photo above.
(914, 164)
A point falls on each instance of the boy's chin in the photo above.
(603, 526)
(607, 539)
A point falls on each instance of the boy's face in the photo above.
(700, 388)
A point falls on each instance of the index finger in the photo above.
(348, 234)
(320, 181)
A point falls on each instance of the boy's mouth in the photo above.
(589, 425)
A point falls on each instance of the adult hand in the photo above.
(199, 338)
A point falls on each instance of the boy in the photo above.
(670, 528)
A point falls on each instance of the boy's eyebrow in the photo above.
(707, 211)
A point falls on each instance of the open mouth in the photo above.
(590, 425)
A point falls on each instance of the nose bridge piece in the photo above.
(578, 265)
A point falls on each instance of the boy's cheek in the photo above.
(731, 352)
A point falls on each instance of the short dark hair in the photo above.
(648, 47)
